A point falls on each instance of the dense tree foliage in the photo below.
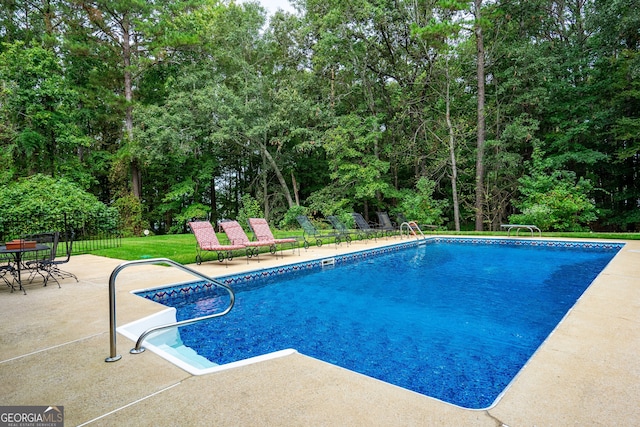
(49, 203)
(460, 113)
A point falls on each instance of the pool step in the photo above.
(187, 354)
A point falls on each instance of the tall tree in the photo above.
(477, 10)
(139, 34)
(234, 109)
(375, 66)
(37, 107)
(444, 33)
(615, 81)
(113, 24)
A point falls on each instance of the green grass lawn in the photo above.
(178, 247)
(182, 247)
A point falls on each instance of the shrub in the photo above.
(554, 200)
(41, 203)
(420, 206)
(564, 207)
(130, 209)
(193, 211)
(250, 208)
(346, 218)
(289, 221)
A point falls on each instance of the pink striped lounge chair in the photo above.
(262, 232)
(237, 236)
(208, 241)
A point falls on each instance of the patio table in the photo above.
(17, 257)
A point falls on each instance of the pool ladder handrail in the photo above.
(113, 356)
(411, 226)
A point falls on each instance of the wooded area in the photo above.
(465, 114)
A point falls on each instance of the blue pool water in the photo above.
(455, 321)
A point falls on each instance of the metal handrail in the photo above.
(412, 226)
(113, 356)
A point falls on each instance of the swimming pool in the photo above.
(454, 319)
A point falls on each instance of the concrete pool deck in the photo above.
(54, 342)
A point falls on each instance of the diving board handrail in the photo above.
(113, 356)
(412, 226)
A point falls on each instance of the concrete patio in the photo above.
(54, 342)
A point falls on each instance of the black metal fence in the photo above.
(89, 232)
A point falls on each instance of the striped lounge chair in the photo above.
(262, 232)
(237, 236)
(207, 241)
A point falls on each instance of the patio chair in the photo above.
(341, 230)
(364, 229)
(262, 232)
(10, 270)
(385, 224)
(53, 265)
(207, 241)
(309, 230)
(237, 236)
(42, 260)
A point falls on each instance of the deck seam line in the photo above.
(135, 402)
(50, 348)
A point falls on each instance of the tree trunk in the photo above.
(278, 172)
(236, 191)
(274, 166)
(136, 175)
(333, 88)
(479, 204)
(136, 179)
(265, 188)
(294, 184)
(452, 152)
(214, 204)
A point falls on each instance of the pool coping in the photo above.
(322, 262)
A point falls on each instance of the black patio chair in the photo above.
(401, 219)
(314, 233)
(386, 225)
(364, 229)
(341, 230)
(40, 264)
(53, 265)
(7, 268)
